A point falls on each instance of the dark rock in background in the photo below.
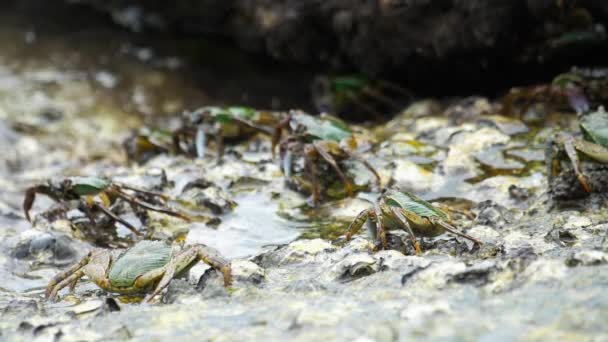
(461, 42)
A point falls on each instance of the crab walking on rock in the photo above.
(593, 145)
(87, 189)
(314, 138)
(401, 209)
(147, 267)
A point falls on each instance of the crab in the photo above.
(401, 209)
(231, 123)
(94, 193)
(147, 267)
(593, 145)
(313, 137)
(357, 93)
(145, 143)
(578, 89)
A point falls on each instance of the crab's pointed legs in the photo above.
(176, 137)
(319, 146)
(205, 254)
(380, 231)
(358, 222)
(569, 146)
(137, 202)
(311, 167)
(28, 202)
(145, 192)
(71, 279)
(367, 165)
(57, 280)
(30, 197)
(278, 130)
(455, 231)
(115, 217)
(447, 208)
(403, 220)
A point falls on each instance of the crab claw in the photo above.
(28, 201)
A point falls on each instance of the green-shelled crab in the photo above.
(147, 267)
(222, 123)
(146, 143)
(354, 94)
(323, 137)
(593, 145)
(403, 210)
(97, 194)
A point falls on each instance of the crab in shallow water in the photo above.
(593, 145)
(315, 138)
(97, 194)
(403, 210)
(147, 267)
(223, 123)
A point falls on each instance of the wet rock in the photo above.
(247, 272)
(202, 194)
(494, 159)
(355, 266)
(518, 193)
(492, 214)
(390, 260)
(296, 252)
(587, 258)
(477, 275)
(420, 312)
(358, 245)
(566, 186)
(485, 234)
(45, 248)
(506, 125)
(468, 109)
(460, 160)
(545, 271)
(408, 175)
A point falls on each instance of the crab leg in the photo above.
(367, 165)
(116, 218)
(312, 169)
(453, 230)
(177, 136)
(403, 220)
(254, 126)
(134, 200)
(145, 192)
(30, 197)
(278, 130)
(380, 231)
(203, 253)
(71, 279)
(332, 162)
(569, 146)
(58, 279)
(358, 222)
